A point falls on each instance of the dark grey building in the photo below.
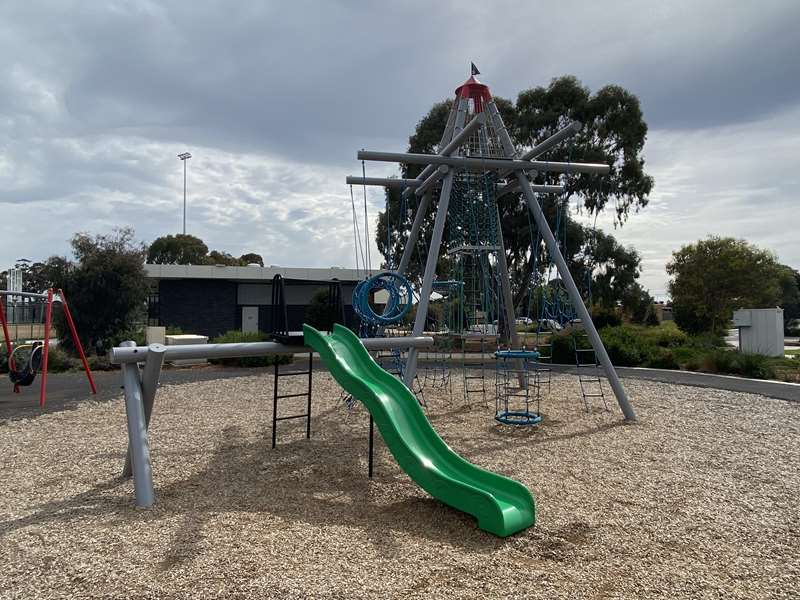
(210, 300)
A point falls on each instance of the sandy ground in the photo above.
(697, 500)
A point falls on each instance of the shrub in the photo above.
(625, 346)
(605, 317)
(238, 337)
(662, 358)
(666, 335)
(719, 361)
(755, 366)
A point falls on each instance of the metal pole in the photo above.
(427, 280)
(308, 408)
(422, 210)
(150, 376)
(48, 320)
(184, 196)
(476, 163)
(275, 405)
(505, 283)
(78, 346)
(120, 355)
(137, 434)
(563, 270)
(371, 444)
(454, 122)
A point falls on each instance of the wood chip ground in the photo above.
(699, 499)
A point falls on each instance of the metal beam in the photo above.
(427, 279)
(437, 176)
(150, 376)
(454, 144)
(422, 210)
(471, 163)
(537, 188)
(131, 354)
(563, 270)
(553, 141)
(137, 434)
(383, 181)
(23, 294)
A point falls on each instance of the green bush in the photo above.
(719, 361)
(755, 366)
(238, 337)
(625, 346)
(605, 317)
(666, 335)
(662, 358)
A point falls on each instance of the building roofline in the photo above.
(251, 274)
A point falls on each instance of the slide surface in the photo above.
(501, 505)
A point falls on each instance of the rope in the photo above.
(366, 219)
(397, 306)
(356, 237)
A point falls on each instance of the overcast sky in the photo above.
(273, 99)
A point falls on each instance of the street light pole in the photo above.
(184, 156)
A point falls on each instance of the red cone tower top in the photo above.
(476, 91)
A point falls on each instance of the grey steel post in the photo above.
(563, 270)
(422, 210)
(137, 434)
(458, 116)
(150, 375)
(505, 283)
(427, 280)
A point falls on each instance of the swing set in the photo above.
(25, 360)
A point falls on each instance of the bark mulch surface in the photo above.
(699, 499)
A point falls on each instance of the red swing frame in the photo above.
(48, 322)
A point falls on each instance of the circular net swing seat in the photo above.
(24, 363)
(517, 388)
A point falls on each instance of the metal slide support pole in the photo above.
(371, 445)
(137, 434)
(310, 381)
(566, 277)
(150, 375)
(427, 280)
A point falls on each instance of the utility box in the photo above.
(155, 335)
(180, 340)
(760, 330)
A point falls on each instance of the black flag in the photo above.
(474, 69)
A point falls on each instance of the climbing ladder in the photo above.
(278, 375)
(588, 368)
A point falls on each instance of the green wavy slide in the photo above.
(501, 505)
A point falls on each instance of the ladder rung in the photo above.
(291, 417)
(600, 395)
(303, 395)
(292, 374)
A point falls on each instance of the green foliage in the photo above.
(184, 249)
(239, 337)
(789, 282)
(106, 289)
(625, 346)
(738, 363)
(180, 249)
(251, 258)
(715, 276)
(603, 316)
(320, 313)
